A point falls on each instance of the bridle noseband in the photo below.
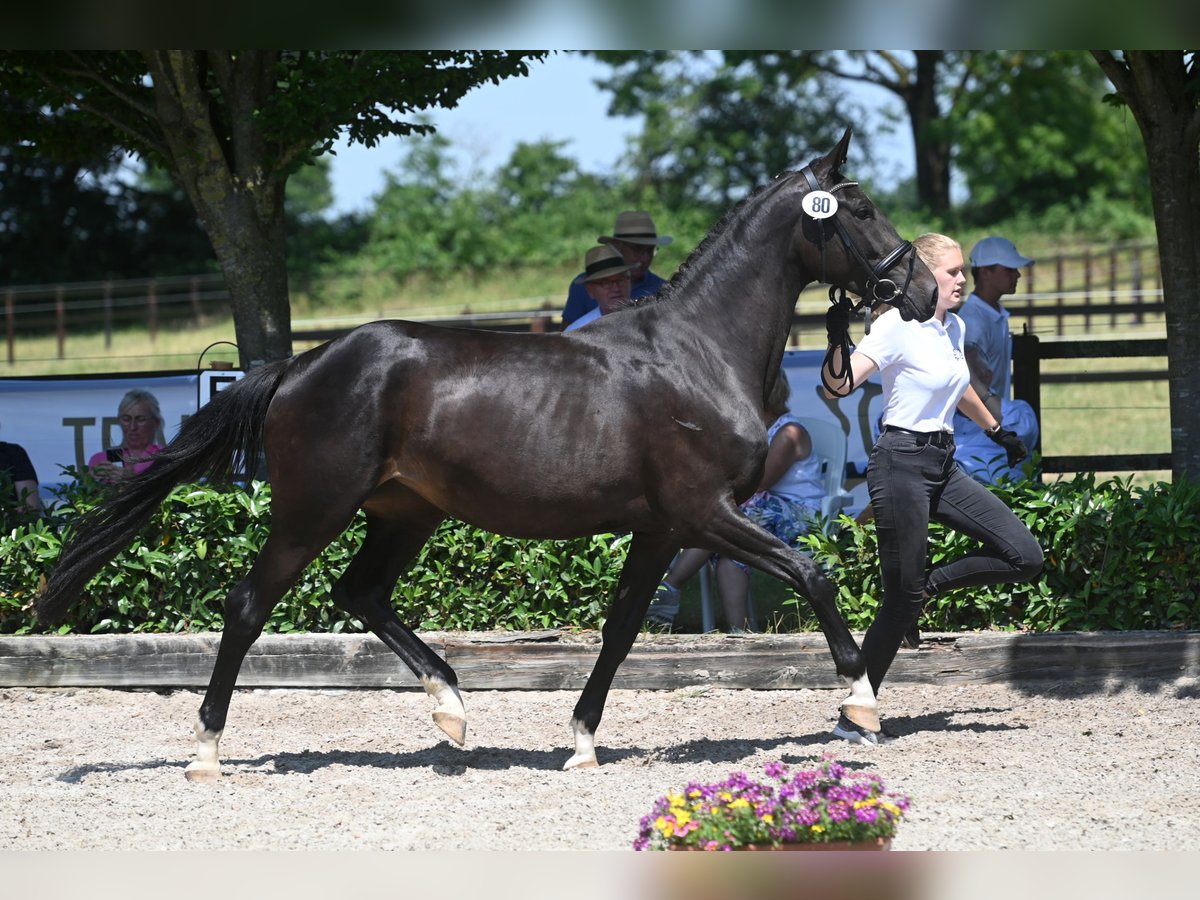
(882, 290)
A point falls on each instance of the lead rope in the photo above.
(842, 350)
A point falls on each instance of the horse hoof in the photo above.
(454, 726)
(202, 773)
(864, 716)
(581, 761)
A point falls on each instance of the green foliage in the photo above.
(1036, 136)
(1118, 557)
(202, 540)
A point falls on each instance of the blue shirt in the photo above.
(579, 302)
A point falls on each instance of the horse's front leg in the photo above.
(645, 563)
(731, 533)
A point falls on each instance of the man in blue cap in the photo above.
(995, 271)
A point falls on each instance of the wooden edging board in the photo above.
(552, 660)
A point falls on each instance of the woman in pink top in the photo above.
(141, 437)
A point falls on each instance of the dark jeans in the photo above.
(911, 483)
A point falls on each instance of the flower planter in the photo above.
(835, 809)
(877, 844)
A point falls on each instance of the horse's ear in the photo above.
(836, 158)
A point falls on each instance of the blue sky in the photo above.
(557, 101)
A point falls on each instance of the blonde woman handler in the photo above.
(912, 477)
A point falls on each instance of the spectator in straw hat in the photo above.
(606, 278)
(635, 236)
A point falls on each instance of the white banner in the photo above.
(63, 421)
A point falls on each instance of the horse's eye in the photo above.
(864, 212)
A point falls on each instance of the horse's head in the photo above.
(846, 241)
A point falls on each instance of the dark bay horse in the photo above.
(647, 421)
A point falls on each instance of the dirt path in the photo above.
(987, 767)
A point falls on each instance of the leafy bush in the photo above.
(1117, 557)
(203, 539)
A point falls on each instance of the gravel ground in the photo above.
(1092, 767)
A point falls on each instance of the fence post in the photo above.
(152, 303)
(1027, 376)
(194, 296)
(10, 326)
(1058, 291)
(1112, 286)
(108, 315)
(1136, 278)
(1087, 289)
(60, 321)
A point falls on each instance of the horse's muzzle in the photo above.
(910, 309)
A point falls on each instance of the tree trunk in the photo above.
(228, 176)
(932, 150)
(1175, 189)
(1156, 86)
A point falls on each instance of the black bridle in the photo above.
(880, 289)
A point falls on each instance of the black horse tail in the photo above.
(228, 427)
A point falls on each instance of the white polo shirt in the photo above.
(923, 369)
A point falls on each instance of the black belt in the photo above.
(937, 438)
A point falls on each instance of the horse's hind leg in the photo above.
(395, 534)
(729, 532)
(647, 559)
(247, 608)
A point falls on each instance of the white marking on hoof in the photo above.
(585, 748)
(206, 767)
(450, 715)
(861, 707)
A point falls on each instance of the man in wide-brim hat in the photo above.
(606, 280)
(637, 240)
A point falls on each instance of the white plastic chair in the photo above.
(830, 446)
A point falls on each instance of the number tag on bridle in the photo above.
(819, 204)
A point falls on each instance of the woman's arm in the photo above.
(862, 367)
(791, 443)
(973, 408)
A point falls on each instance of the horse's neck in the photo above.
(739, 298)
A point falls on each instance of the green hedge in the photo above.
(1117, 557)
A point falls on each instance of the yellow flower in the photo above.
(726, 796)
(769, 819)
(665, 825)
(739, 803)
(682, 818)
(817, 829)
(891, 807)
(695, 793)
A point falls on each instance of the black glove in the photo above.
(1013, 445)
(837, 323)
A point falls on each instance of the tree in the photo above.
(719, 123)
(1162, 90)
(1034, 136)
(232, 126)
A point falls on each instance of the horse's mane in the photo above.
(734, 215)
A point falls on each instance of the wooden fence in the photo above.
(1067, 294)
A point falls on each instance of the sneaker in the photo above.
(911, 639)
(856, 734)
(664, 607)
